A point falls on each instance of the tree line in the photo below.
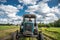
(53, 24)
(5, 24)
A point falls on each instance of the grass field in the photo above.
(53, 32)
(7, 30)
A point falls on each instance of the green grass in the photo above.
(56, 29)
(7, 27)
(52, 32)
(7, 30)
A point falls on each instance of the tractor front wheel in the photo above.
(13, 36)
(17, 37)
(40, 36)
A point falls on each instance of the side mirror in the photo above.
(22, 24)
(34, 24)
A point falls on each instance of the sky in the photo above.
(11, 11)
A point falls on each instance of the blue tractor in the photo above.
(29, 28)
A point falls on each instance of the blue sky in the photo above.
(22, 7)
(51, 3)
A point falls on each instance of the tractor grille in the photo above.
(28, 27)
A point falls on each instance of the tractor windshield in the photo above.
(29, 19)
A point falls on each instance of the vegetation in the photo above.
(51, 29)
(53, 32)
(53, 24)
(7, 27)
(7, 30)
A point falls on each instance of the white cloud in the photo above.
(43, 10)
(19, 7)
(28, 1)
(39, 18)
(55, 10)
(47, 14)
(41, 7)
(9, 11)
(32, 8)
(46, 0)
(33, 2)
(52, 16)
(11, 20)
(3, 21)
(1, 12)
(59, 4)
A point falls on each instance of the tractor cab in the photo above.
(29, 26)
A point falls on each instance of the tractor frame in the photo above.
(35, 34)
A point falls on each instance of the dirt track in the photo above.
(46, 37)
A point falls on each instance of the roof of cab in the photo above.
(29, 16)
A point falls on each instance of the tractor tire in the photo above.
(40, 36)
(17, 37)
(13, 36)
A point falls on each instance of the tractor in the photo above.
(29, 28)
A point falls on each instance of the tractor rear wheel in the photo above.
(17, 37)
